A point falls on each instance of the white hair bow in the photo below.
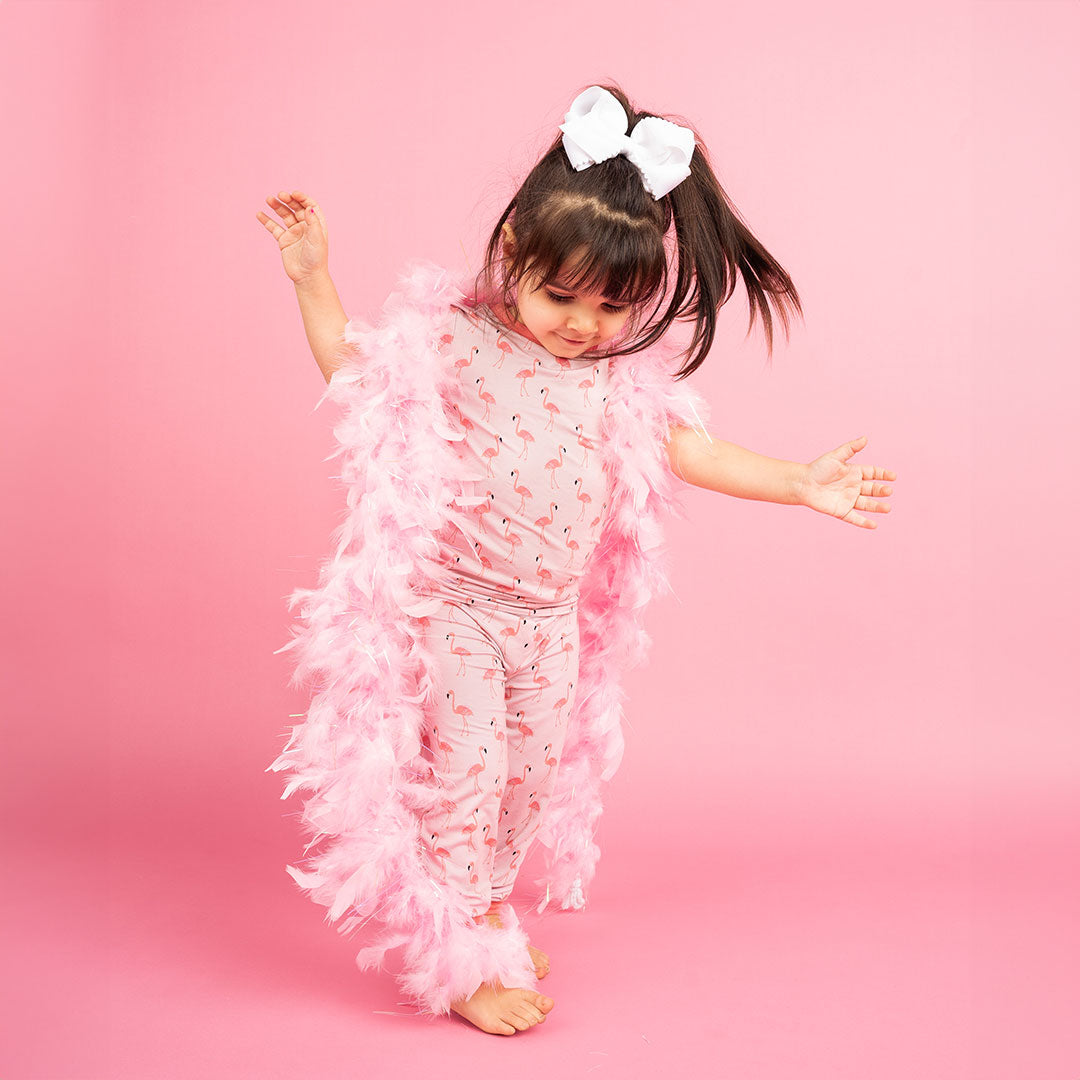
(595, 130)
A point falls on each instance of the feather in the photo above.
(357, 754)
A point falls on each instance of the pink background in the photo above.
(844, 839)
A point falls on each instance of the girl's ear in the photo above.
(507, 235)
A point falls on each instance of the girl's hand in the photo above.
(834, 487)
(304, 241)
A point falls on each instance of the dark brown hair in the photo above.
(624, 231)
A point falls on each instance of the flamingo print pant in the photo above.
(495, 734)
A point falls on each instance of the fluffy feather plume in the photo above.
(358, 644)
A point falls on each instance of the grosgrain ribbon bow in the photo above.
(594, 130)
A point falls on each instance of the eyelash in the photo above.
(559, 299)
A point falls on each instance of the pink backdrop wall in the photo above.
(844, 837)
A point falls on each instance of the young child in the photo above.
(507, 448)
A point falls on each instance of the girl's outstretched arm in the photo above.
(829, 484)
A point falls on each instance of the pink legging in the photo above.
(495, 734)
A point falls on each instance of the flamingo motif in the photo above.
(486, 397)
(587, 385)
(466, 361)
(534, 808)
(468, 830)
(541, 681)
(551, 407)
(505, 350)
(513, 782)
(550, 761)
(458, 650)
(445, 747)
(560, 705)
(476, 770)
(542, 575)
(490, 453)
(572, 544)
(523, 491)
(554, 464)
(440, 853)
(462, 710)
(526, 437)
(523, 729)
(585, 443)
(525, 374)
(512, 538)
(449, 806)
(582, 497)
(544, 522)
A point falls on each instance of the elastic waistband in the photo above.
(467, 591)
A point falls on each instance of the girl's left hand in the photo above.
(833, 486)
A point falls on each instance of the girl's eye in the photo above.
(559, 298)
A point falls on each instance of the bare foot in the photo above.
(501, 1011)
(541, 963)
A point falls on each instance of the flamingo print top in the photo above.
(537, 492)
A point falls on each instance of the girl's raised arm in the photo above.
(304, 245)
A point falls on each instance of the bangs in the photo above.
(587, 252)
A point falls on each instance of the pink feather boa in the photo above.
(358, 752)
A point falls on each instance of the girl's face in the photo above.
(565, 322)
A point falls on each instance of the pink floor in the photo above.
(180, 952)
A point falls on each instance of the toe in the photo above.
(544, 1004)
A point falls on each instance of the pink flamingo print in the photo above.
(534, 808)
(572, 544)
(505, 350)
(489, 678)
(566, 649)
(587, 385)
(468, 830)
(481, 558)
(463, 422)
(440, 853)
(542, 575)
(496, 727)
(554, 465)
(462, 710)
(527, 373)
(523, 491)
(551, 407)
(486, 397)
(526, 437)
(490, 453)
(523, 729)
(507, 633)
(544, 522)
(449, 806)
(458, 650)
(473, 878)
(465, 361)
(549, 761)
(511, 537)
(512, 783)
(489, 841)
(476, 770)
(445, 747)
(480, 509)
(582, 497)
(510, 589)
(561, 704)
(541, 681)
(585, 444)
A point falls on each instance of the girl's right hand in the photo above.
(304, 239)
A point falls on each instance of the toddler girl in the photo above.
(507, 447)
